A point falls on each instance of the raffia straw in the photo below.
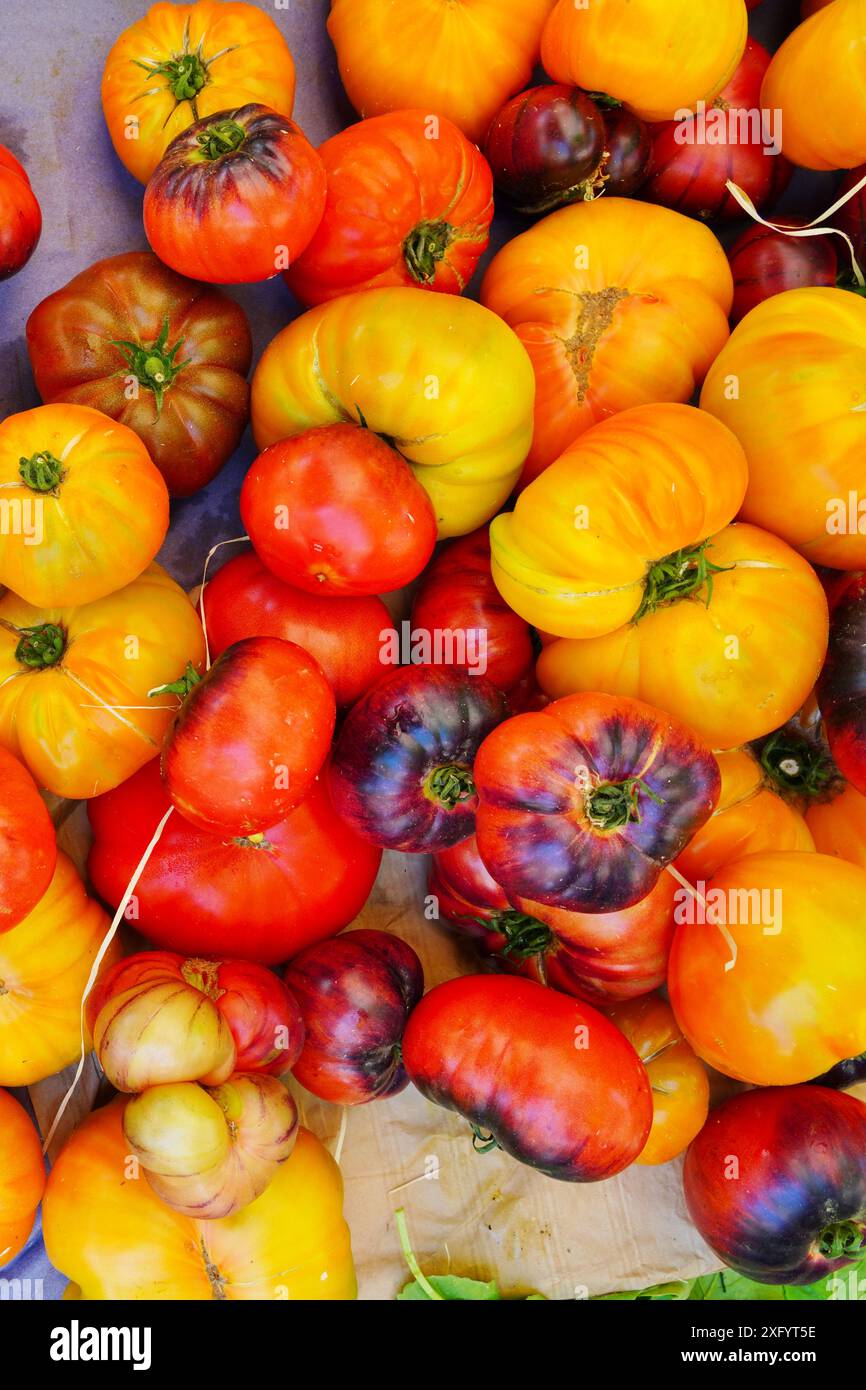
(812, 228)
(708, 912)
(234, 540)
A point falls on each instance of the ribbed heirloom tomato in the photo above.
(409, 202)
(679, 1082)
(22, 1177)
(20, 216)
(28, 849)
(182, 62)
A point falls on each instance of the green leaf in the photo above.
(676, 1291)
(453, 1288)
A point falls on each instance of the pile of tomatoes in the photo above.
(625, 717)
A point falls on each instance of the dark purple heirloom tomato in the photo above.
(629, 147)
(776, 1183)
(841, 689)
(401, 773)
(355, 993)
(582, 804)
(546, 148)
(764, 263)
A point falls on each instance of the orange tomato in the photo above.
(838, 824)
(460, 61)
(657, 58)
(109, 1232)
(618, 303)
(767, 977)
(44, 965)
(85, 508)
(180, 63)
(791, 384)
(678, 1079)
(816, 75)
(74, 682)
(22, 1177)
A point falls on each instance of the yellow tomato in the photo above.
(84, 508)
(44, 965)
(442, 378)
(183, 62)
(74, 682)
(679, 1082)
(791, 384)
(22, 1176)
(108, 1231)
(838, 824)
(733, 662)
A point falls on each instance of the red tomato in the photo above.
(263, 1016)
(764, 263)
(235, 198)
(258, 898)
(457, 595)
(336, 510)
(345, 635)
(550, 1080)
(28, 849)
(20, 216)
(355, 993)
(410, 201)
(693, 161)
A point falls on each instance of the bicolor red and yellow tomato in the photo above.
(678, 1079)
(20, 216)
(22, 1177)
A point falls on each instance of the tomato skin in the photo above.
(468, 895)
(194, 422)
(214, 896)
(20, 216)
(402, 209)
(692, 177)
(841, 689)
(679, 1081)
(546, 147)
(229, 217)
(250, 738)
(28, 847)
(629, 148)
(336, 510)
(502, 1052)
(800, 1170)
(544, 830)
(22, 1177)
(345, 635)
(457, 593)
(355, 994)
(851, 218)
(401, 772)
(765, 263)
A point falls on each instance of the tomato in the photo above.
(22, 1177)
(459, 61)
(259, 899)
(457, 595)
(264, 1019)
(809, 92)
(798, 361)
(599, 284)
(732, 659)
(236, 197)
(85, 510)
(345, 635)
(841, 691)
(779, 940)
(410, 201)
(549, 1080)
(250, 738)
(629, 151)
(44, 965)
(182, 62)
(679, 1082)
(160, 354)
(116, 1240)
(655, 58)
(401, 774)
(336, 510)
(776, 1183)
(765, 263)
(583, 804)
(546, 147)
(467, 895)
(576, 556)
(28, 849)
(75, 683)
(694, 158)
(750, 816)
(355, 993)
(20, 216)
(439, 376)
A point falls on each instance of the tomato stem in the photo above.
(525, 936)
(424, 248)
(611, 805)
(842, 1240)
(449, 784)
(186, 73)
(42, 472)
(221, 138)
(483, 1143)
(182, 686)
(411, 1260)
(40, 646)
(679, 576)
(153, 363)
(798, 765)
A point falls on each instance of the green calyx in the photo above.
(220, 138)
(678, 576)
(483, 1143)
(186, 74)
(42, 472)
(525, 936)
(798, 766)
(450, 784)
(182, 686)
(152, 364)
(424, 248)
(612, 805)
(843, 1240)
(40, 646)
